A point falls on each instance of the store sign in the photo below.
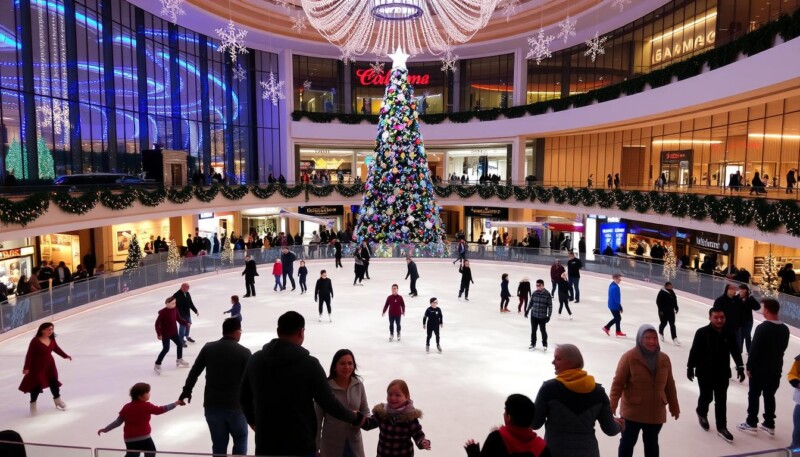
(206, 216)
(367, 77)
(711, 241)
(612, 235)
(686, 39)
(8, 253)
(498, 214)
(676, 156)
(322, 211)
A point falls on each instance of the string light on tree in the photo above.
(226, 256)
(770, 281)
(14, 160)
(47, 168)
(174, 260)
(670, 264)
(134, 260)
(232, 40)
(273, 89)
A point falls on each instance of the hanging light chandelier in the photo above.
(359, 27)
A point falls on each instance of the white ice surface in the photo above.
(460, 391)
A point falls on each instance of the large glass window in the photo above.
(432, 87)
(487, 82)
(318, 84)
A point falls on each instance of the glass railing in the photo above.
(21, 310)
(14, 449)
(101, 452)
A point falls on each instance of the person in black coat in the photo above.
(282, 382)
(250, 274)
(432, 321)
(413, 273)
(747, 304)
(466, 279)
(323, 292)
(90, 262)
(337, 252)
(224, 362)
(184, 304)
(729, 304)
(287, 260)
(710, 360)
(365, 256)
(667, 303)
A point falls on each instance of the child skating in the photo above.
(398, 421)
(323, 292)
(277, 272)
(236, 308)
(466, 279)
(435, 320)
(397, 309)
(136, 417)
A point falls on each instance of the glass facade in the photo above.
(103, 80)
(704, 151)
(432, 87)
(487, 82)
(325, 81)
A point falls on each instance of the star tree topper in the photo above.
(399, 58)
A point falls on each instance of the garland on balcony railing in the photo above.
(761, 39)
(768, 216)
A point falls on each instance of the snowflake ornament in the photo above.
(273, 89)
(307, 85)
(299, 22)
(239, 73)
(595, 46)
(449, 60)
(540, 47)
(57, 116)
(347, 55)
(283, 3)
(171, 9)
(377, 68)
(232, 40)
(620, 4)
(567, 28)
(510, 8)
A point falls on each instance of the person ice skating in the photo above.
(236, 308)
(412, 273)
(302, 273)
(667, 303)
(794, 381)
(461, 250)
(570, 405)
(644, 387)
(615, 306)
(398, 421)
(505, 295)
(747, 304)
(39, 371)
(563, 294)
(523, 293)
(335, 437)
(337, 253)
(323, 292)
(277, 272)
(358, 267)
(730, 304)
(184, 306)
(764, 366)
(366, 255)
(556, 270)
(397, 309)
(540, 309)
(250, 274)
(287, 261)
(574, 266)
(166, 330)
(466, 279)
(515, 437)
(433, 320)
(710, 361)
(224, 362)
(136, 417)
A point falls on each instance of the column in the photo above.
(520, 77)
(285, 107)
(347, 97)
(517, 164)
(109, 85)
(73, 94)
(30, 160)
(205, 106)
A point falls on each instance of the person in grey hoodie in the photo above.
(335, 437)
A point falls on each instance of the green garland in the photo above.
(320, 191)
(233, 193)
(761, 39)
(290, 192)
(117, 202)
(179, 196)
(74, 205)
(206, 195)
(24, 211)
(152, 198)
(262, 193)
(350, 191)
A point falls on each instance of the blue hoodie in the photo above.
(614, 297)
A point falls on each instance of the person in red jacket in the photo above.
(397, 309)
(40, 367)
(167, 330)
(277, 271)
(136, 417)
(515, 438)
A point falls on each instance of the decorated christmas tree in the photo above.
(399, 204)
(226, 256)
(14, 159)
(174, 260)
(134, 259)
(769, 276)
(46, 165)
(670, 264)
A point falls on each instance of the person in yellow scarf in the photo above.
(569, 405)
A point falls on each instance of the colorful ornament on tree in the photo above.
(134, 260)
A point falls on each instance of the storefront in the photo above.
(701, 245)
(263, 220)
(477, 161)
(476, 218)
(677, 167)
(307, 228)
(209, 224)
(61, 247)
(117, 238)
(611, 235)
(15, 263)
(645, 236)
(432, 87)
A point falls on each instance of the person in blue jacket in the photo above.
(615, 306)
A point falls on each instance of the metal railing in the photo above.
(21, 310)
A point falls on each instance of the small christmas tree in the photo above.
(769, 276)
(134, 260)
(174, 260)
(226, 256)
(47, 168)
(14, 159)
(670, 270)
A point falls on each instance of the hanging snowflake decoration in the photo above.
(595, 46)
(540, 47)
(239, 73)
(299, 22)
(347, 55)
(307, 85)
(171, 9)
(620, 4)
(567, 28)
(232, 40)
(273, 89)
(283, 3)
(377, 68)
(510, 8)
(57, 117)
(449, 60)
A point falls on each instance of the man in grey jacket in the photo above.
(224, 361)
(540, 308)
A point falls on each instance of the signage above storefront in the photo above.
(322, 211)
(676, 156)
(206, 216)
(684, 39)
(500, 214)
(9, 253)
(367, 77)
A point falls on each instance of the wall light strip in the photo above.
(774, 136)
(687, 142)
(669, 34)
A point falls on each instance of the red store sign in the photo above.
(369, 78)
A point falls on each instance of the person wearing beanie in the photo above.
(642, 383)
(569, 405)
(515, 438)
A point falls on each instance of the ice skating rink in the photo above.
(460, 391)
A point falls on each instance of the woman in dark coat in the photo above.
(358, 267)
(524, 293)
(40, 367)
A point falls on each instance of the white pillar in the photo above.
(518, 160)
(285, 108)
(520, 77)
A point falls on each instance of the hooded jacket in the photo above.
(397, 429)
(281, 383)
(511, 441)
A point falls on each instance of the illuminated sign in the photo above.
(367, 77)
(612, 235)
(686, 39)
(498, 214)
(206, 216)
(676, 156)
